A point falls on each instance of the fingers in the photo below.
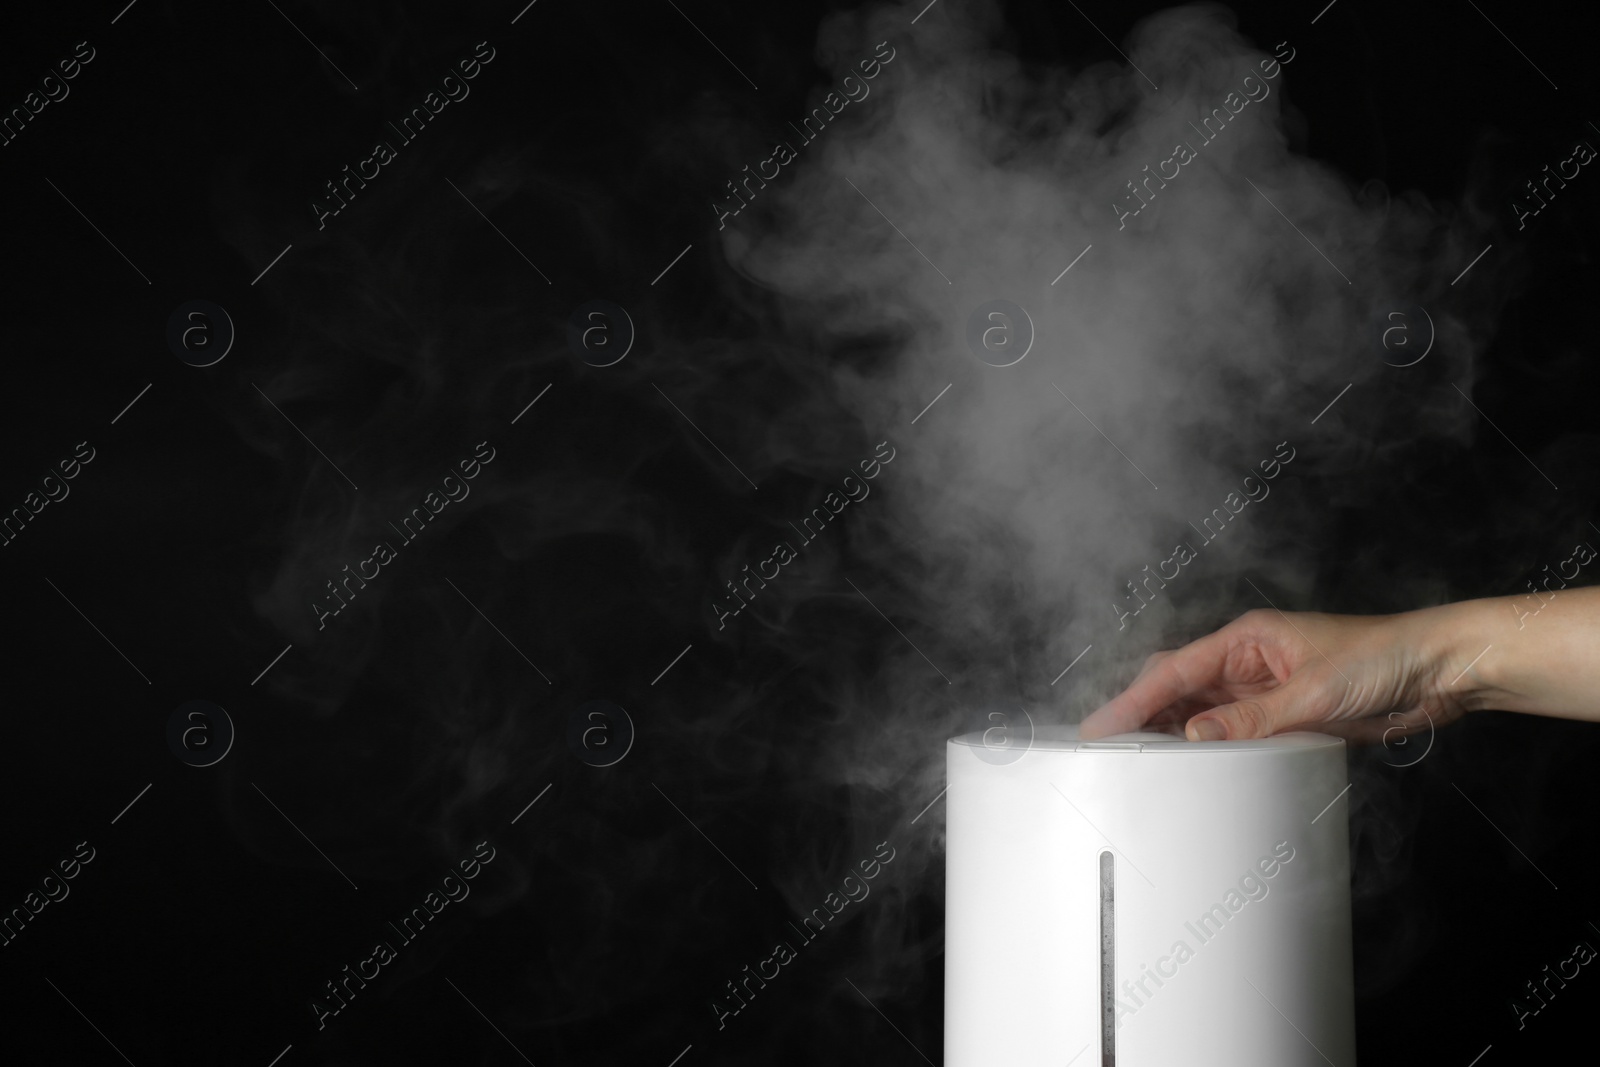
(1167, 678)
(1258, 716)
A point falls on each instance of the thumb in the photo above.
(1259, 716)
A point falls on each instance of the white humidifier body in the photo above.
(1146, 901)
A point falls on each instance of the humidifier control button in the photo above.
(1110, 746)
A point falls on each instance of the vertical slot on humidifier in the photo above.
(1108, 957)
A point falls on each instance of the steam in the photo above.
(1198, 334)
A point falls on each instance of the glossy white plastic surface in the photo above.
(1265, 980)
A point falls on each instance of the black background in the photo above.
(408, 330)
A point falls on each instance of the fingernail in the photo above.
(1206, 730)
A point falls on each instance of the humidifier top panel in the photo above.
(1065, 739)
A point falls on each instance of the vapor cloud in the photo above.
(1208, 318)
(1216, 321)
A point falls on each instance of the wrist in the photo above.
(1457, 645)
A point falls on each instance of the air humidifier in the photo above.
(1147, 901)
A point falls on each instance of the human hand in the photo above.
(1267, 672)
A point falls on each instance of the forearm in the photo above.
(1539, 655)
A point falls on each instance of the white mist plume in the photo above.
(1195, 339)
(1191, 338)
